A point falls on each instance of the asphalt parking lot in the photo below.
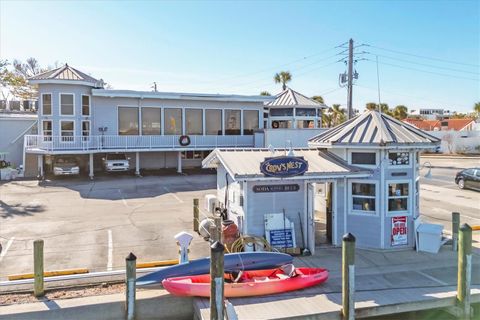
(96, 224)
(440, 196)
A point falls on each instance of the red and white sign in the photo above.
(399, 231)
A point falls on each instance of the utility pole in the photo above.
(350, 80)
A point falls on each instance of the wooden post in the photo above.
(218, 228)
(130, 282)
(348, 277)
(455, 227)
(196, 215)
(464, 270)
(216, 281)
(38, 289)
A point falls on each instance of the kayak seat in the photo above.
(282, 276)
(261, 279)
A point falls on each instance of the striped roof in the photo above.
(291, 98)
(64, 73)
(245, 163)
(373, 128)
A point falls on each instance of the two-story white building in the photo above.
(156, 129)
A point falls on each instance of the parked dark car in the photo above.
(468, 179)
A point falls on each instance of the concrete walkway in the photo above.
(386, 281)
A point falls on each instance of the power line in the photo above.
(424, 64)
(424, 57)
(272, 68)
(425, 71)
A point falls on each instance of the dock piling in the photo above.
(464, 270)
(455, 227)
(216, 281)
(348, 277)
(130, 282)
(196, 214)
(38, 284)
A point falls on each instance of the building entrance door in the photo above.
(323, 213)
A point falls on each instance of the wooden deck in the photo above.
(386, 283)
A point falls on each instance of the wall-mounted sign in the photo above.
(284, 166)
(399, 231)
(282, 238)
(276, 188)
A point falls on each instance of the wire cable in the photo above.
(424, 57)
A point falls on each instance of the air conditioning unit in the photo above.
(210, 203)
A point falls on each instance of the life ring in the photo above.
(275, 124)
(184, 141)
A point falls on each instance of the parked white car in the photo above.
(116, 162)
(65, 165)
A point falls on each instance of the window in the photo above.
(85, 105)
(281, 124)
(66, 104)
(194, 121)
(250, 121)
(368, 158)
(173, 121)
(151, 121)
(232, 122)
(47, 128)
(399, 158)
(213, 122)
(281, 112)
(305, 124)
(127, 121)
(47, 104)
(85, 129)
(363, 197)
(398, 196)
(305, 112)
(67, 130)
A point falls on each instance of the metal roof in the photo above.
(63, 73)
(292, 98)
(245, 163)
(373, 128)
(177, 95)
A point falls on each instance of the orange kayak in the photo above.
(248, 283)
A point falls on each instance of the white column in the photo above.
(40, 165)
(137, 163)
(90, 165)
(179, 162)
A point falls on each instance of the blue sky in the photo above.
(236, 47)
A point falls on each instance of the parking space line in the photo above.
(123, 198)
(173, 194)
(4, 251)
(110, 251)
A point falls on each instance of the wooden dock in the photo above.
(386, 283)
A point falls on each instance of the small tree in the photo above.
(265, 93)
(319, 99)
(400, 112)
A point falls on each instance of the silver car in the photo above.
(66, 165)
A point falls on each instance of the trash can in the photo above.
(429, 237)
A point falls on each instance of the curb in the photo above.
(46, 274)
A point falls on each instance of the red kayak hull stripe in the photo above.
(253, 283)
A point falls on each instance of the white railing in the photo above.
(105, 143)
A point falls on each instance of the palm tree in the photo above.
(476, 108)
(338, 114)
(283, 77)
(265, 93)
(371, 106)
(400, 112)
(319, 99)
(326, 120)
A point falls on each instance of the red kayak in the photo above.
(249, 283)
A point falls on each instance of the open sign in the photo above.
(399, 235)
